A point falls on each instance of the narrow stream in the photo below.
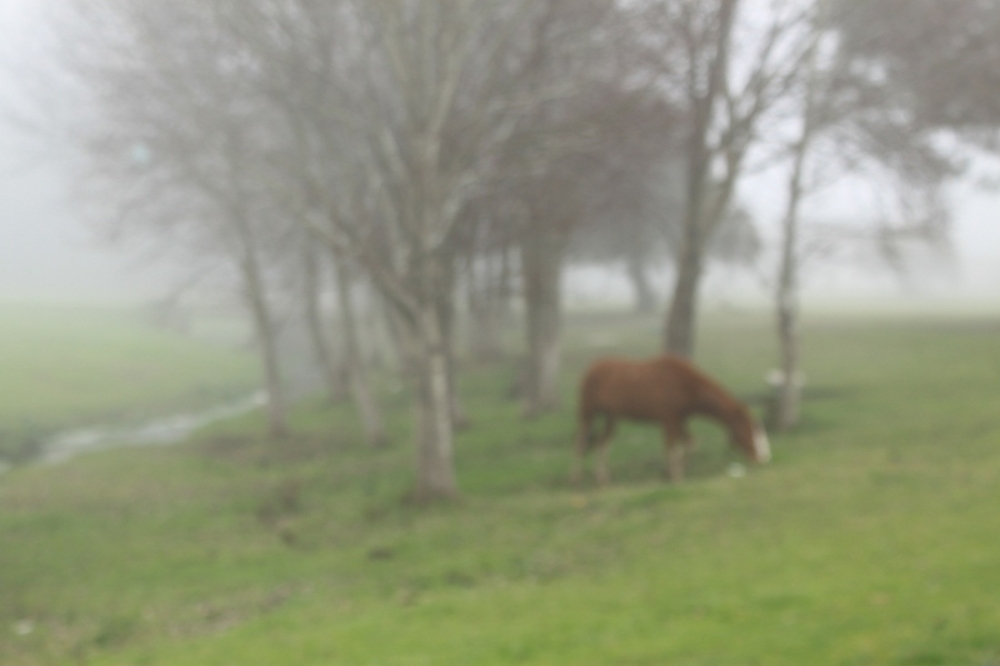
(168, 430)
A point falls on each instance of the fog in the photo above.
(49, 253)
(333, 264)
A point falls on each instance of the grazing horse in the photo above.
(667, 390)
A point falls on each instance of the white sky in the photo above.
(47, 253)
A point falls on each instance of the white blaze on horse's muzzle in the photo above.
(761, 446)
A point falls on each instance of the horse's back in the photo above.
(645, 389)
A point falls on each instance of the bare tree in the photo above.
(382, 127)
(790, 387)
(849, 118)
(396, 116)
(935, 62)
(184, 96)
(695, 49)
(640, 224)
(165, 152)
(313, 274)
(559, 163)
(488, 280)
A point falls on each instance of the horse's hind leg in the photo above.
(582, 445)
(601, 465)
(676, 442)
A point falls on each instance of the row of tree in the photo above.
(415, 145)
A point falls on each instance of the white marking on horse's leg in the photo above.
(761, 446)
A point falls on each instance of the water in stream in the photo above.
(167, 430)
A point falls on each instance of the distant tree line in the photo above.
(454, 156)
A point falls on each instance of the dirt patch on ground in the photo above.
(243, 449)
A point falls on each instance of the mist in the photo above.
(50, 252)
(499, 331)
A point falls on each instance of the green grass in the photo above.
(872, 538)
(63, 367)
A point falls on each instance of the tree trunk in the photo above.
(253, 284)
(789, 389)
(445, 304)
(403, 342)
(459, 416)
(789, 396)
(681, 316)
(423, 356)
(433, 405)
(645, 297)
(377, 339)
(334, 377)
(357, 372)
(541, 257)
(488, 294)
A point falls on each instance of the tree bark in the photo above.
(645, 297)
(789, 390)
(488, 296)
(789, 396)
(681, 317)
(541, 257)
(357, 371)
(334, 376)
(445, 303)
(264, 329)
(679, 334)
(433, 406)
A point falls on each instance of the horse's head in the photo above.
(750, 437)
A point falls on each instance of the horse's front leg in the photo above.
(688, 442)
(676, 441)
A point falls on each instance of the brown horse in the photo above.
(667, 390)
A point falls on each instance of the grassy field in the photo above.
(62, 367)
(872, 538)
